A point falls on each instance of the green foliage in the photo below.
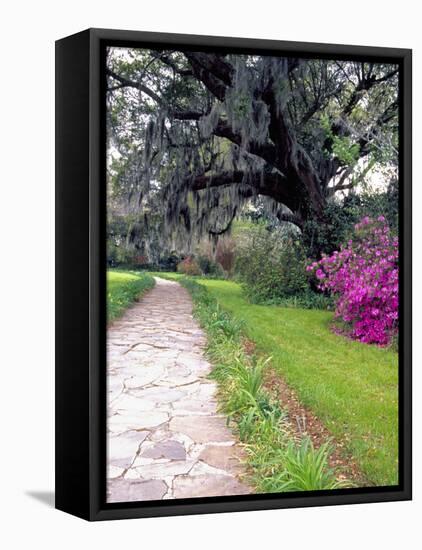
(277, 461)
(248, 399)
(327, 237)
(210, 267)
(342, 147)
(123, 288)
(124, 258)
(385, 203)
(306, 470)
(168, 262)
(271, 266)
(341, 217)
(345, 150)
(220, 320)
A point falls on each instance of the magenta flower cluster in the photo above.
(363, 276)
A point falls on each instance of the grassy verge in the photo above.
(278, 461)
(351, 387)
(123, 288)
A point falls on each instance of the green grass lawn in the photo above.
(123, 288)
(352, 387)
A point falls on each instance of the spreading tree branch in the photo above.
(126, 82)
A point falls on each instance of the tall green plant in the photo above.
(304, 469)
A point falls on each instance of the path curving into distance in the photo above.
(165, 436)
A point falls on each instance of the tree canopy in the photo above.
(193, 136)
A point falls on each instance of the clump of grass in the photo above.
(278, 462)
(306, 469)
(123, 288)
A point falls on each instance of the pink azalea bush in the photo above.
(363, 277)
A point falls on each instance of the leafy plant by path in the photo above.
(271, 265)
(306, 469)
(277, 461)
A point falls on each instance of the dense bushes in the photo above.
(201, 265)
(210, 267)
(189, 266)
(271, 266)
(363, 277)
(340, 217)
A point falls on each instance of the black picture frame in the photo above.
(80, 276)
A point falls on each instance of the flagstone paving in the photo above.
(166, 438)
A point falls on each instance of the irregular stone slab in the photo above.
(121, 450)
(154, 360)
(114, 383)
(142, 376)
(166, 449)
(161, 434)
(158, 394)
(223, 457)
(128, 402)
(186, 407)
(114, 388)
(195, 362)
(208, 486)
(207, 391)
(139, 352)
(140, 461)
(202, 429)
(163, 348)
(202, 468)
(121, 490)
(177, 381)
(191, 389)
(122, 423)
(178, 370)
(114, 471)
(161, 470)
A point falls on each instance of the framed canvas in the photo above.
(233, 274)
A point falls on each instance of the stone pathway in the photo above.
(165, 437)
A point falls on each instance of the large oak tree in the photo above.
(203, 134)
